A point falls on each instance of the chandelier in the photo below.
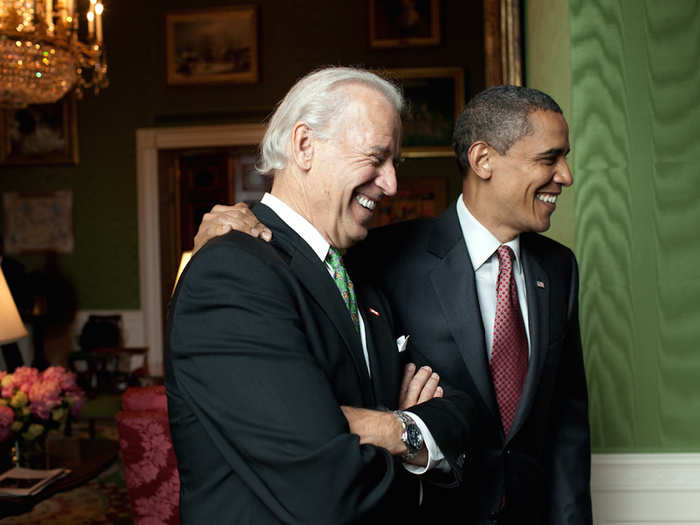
(46, 48)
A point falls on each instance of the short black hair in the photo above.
(498, 116)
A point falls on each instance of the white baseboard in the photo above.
(646, 489)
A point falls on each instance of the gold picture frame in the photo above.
(40, 134)
(393, 23)
(212, 46)
(434, 99)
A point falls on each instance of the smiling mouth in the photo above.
(365, 202)
(549, 198)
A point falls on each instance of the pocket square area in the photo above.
(402, 342)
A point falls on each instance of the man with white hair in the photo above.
(272, 349)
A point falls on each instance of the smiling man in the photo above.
(493, 306)
(274, 355)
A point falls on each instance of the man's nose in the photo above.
(563, 175)
(387, 180)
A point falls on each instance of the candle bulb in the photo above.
(91, 23)
(98, 12)
(49, 15)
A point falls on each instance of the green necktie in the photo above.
(344, 284)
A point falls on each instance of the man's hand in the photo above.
(222, 219)
(418, 387)
(383, 429)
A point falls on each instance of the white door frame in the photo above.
(148, 142)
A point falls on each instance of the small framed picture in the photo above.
(250, 183)
(38, 222)
(417, 197)
(212, 46)
(404, 23)
(434, 100)
(40, 134)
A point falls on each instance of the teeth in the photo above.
(547, 197)
(365, 202)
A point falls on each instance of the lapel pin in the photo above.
(373, 311)
(540, 284)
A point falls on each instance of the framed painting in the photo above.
(40, 134)
(434, 100)
(38, 222)
(212, 46)
(250, 183)
(401, 23)
(417, 197)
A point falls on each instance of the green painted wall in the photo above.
(636, 121)
(104, 266)
(548, 68)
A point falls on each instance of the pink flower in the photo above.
(25, 377)
(7, 416)
(5, 433)
(44, 396)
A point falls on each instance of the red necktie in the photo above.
(509, 354)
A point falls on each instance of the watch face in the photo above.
(414, 437)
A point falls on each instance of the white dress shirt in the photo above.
(482, 246)
(320, 246)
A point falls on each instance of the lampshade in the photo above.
(183, 262)
(11, 327)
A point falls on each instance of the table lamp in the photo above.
(11, 326)
(183, 262)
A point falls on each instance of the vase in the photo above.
(30, 453)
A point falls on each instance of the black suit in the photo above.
(261, 352)
(542, 469)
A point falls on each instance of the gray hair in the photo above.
(498, 116)
(315, 100)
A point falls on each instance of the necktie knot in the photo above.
(334, 258)
(505, 254)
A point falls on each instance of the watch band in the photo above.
(411, 435)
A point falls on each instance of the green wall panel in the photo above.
(636, 121)
(548, 68)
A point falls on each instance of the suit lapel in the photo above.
(538, 321)
(312, 274)
(380, 350)
(455, 288)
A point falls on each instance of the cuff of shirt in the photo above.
(435, 456)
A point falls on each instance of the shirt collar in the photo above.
(481, 243)
(299, 224)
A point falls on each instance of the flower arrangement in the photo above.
(33, 402)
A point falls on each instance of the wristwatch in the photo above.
(410, 435)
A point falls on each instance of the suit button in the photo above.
(461, 459)
(507, 452)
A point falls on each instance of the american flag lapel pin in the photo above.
(373, 311)
(540, 284)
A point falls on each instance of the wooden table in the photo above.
(85, 457)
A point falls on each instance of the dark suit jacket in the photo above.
(542, 469)
(261, 351)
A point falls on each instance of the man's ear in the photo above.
(302, 146)
(480, 156)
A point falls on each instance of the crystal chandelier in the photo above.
(46, 48)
